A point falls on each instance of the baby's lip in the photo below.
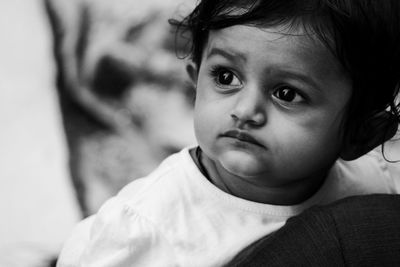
(242, 136)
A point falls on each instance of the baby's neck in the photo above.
(287, 194)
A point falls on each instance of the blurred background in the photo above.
(92, 96)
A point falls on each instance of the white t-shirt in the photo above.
(176, 217)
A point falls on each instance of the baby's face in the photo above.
(269, 106)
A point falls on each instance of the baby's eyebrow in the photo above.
(298, 76)
(230, 55)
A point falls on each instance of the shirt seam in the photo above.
(384, 168)
(338, 237)
(131, 212)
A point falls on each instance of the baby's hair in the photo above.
(364, 35)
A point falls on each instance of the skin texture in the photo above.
(268, 113)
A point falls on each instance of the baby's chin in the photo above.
(245, 165)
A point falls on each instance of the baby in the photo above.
(292, 97)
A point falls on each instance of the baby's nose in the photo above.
(249, 108)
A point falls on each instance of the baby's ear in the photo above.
(193, 73)
(373, 132)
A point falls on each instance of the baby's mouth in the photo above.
(241, 136)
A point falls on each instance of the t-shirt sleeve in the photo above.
(390, 160)
(75, 244)
(394, 171)
(118, 236)
(393, 149)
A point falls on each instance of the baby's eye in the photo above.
(288, 94)
(225, 77)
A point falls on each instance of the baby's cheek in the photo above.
(294, 140)
(203, 125)
(315, 149)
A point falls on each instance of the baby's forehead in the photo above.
(278, 42)
(299, 38)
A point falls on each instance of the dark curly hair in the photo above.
(364, 35)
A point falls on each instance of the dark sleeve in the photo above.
(357, 231)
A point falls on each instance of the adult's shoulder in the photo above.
(355, 231)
